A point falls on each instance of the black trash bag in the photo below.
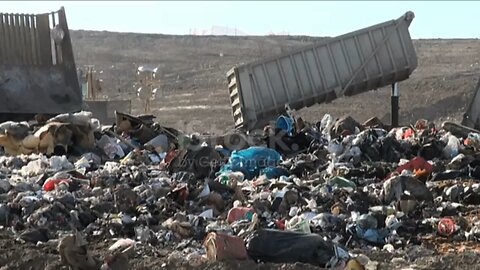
(447, 175)
(431, 150)
(285, 144)
(303, 164)
(474, 171)
(391, 149)
(370, 152)
(471, 197)
(277, 246)
(35, 235)
(203, 161)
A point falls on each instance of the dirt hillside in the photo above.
(193, 77)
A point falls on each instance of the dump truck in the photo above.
(350, 64)
(37, 67)
(471, 118)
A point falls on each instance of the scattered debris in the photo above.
(151, 187)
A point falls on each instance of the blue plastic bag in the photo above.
(372, 235)
(285, 123)
(251, 160)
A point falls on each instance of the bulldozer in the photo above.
(38, 75)
(37, 67)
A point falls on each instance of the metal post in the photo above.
(394, 103)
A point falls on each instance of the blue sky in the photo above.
(433, 19)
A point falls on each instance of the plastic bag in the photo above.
(111, 167)
(372, 235)
(95, 124)
(251, 160)
(110, 147)
(159, 143)
(58, 163)
(341, 182)
(34, 167)
(298, 224)
(326, 221)
(285, 123)
(291, 247)
(5, 186)
(452, 147)
(325, 125)
(335, 147)
(274, 172)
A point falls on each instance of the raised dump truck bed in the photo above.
(350, 64)
(37, 68)
(471, 118)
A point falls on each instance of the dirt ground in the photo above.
(440, 254)
(194, 89)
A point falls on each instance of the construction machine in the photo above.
(37, 68)
(102, 107)
(38, 75)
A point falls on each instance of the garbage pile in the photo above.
(303, 192)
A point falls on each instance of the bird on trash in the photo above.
(75, 254)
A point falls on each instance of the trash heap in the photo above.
(316, 193)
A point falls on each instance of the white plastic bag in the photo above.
(452, 147)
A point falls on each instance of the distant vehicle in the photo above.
(102, 107)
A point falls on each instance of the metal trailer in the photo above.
(37, 68)
(471, 118)
(350, 64)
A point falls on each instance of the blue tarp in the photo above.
(251, 160)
